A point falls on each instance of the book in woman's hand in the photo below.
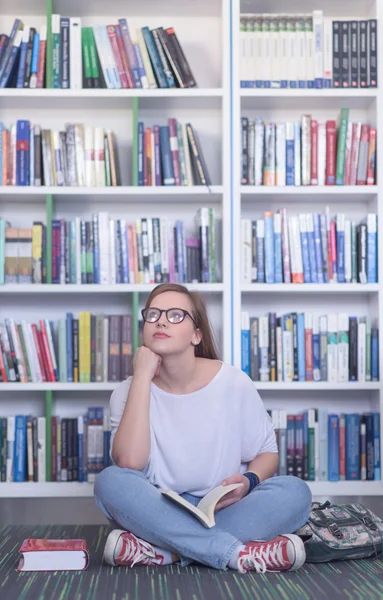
(204, 511)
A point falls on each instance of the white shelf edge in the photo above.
(119, 288)
(111, 93)
(328, 190)
(85, 490)
(160, 190)
(319, 386)
(104, 386)
(322, 288)
(307, 93)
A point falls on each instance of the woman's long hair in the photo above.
(206, 348)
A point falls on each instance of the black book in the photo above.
(27, 73)
(245, 151)
(75, 350)
(336, 54)
(172, 57)
(353, 349)
(361, 246)
(345, 54)
(363, 75)
(273, 346)
(74, 450)
(295, 345)
(182, 60)
(369, 420)
(254, 348)
(70, 448)
(35, 449)
(64, 450)
(354, 54)
(200, 172)
(372, 53)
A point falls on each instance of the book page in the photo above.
(207, 503)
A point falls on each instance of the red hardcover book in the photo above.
(41, 64)
(330, 152)
(117, 56)
(38, 351)
(2, 366)
(124, 58)
(48, 363)
(148, 157)
(314, 152)
(53, 555)
(371, 157)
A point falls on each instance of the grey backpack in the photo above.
(341, 532)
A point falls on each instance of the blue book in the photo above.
(9, 45)
(141, 68)
(245, 343)
(278, 249)
(305, 249)
(130, 53)
(290, 161)
(65, 53)
(166, 156)
(100, 421)
(316, 349)
(311, 249)
(374, 354)
(84, 462)
(301, 347)
(376, 421)
(269, 248)
(20, 451)
(323, 443)
(7, 77)
(22, 153)
(22, 59)
(69, 348)
(141, 153)
(154, 58)
(352, 447)
(106, 459)
(372, 244)
(124, 252)
(333, 448)
(340, 248)
(35, 57)
(179, 251)
(260, 251)
(370, 451)
(318, 248)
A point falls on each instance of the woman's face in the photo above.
(166, 338)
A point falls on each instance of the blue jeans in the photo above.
(128, 499)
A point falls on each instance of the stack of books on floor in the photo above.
(307, 51)
(112, 251)
(102, 56)
(79, 447)
(309, 248)
(310, 347)
(318, 446)
(307, 152)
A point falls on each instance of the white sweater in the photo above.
(198, 439)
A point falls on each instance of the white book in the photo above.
(321, 153)
(318, 48)
(315, 325)
(250, 50)
(301, 50)
(275, 58)
(259, 151)
(99, 157)
(310, 52)
(332, 348)
(327, 52)
(362, 349)
(90, 167)
(39, 377)
(103, 224)
(243, 39)
(204, 511)
(103, 56)
(246, 250)
(10, 447)
(75, 54)
(292, 52)
(280, 175)
(343, 347)
(110, 60)
(78, 249)
(80, 157)
(112, 251)
(31, 352)
(264, 369)
(283, 49)
(347, 251)
(266, 50)
(58, 158)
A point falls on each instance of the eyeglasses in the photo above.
(173, 315)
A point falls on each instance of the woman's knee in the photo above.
(296, 493)
(111, 478)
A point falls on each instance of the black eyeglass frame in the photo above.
(166, 310)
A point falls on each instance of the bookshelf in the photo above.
(356, 299)
(210, 36)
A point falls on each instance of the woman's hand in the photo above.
(235, 495)
(146, 363)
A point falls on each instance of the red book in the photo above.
(124, 58)
(38, 351)
(41, 63)
(309, 351)
(117, 56)
(371, 157)
(53, 555)
(148, 157)
(47, 354)
(314, 152)
(2, 367)
(330, 152)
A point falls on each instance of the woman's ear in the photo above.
(197, 337)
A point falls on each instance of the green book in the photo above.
(95, 71)
(341, 146)
(62, 351)
(86, 57)
(56, 51)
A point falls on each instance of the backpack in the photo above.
(341, 532)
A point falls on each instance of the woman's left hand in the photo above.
(235, 495)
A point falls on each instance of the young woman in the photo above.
(188, 422)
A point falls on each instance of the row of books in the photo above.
(111, 251)
(79, 447)
(318, 446)
(79, 349)
(309, 248)
(170, 155)
(102, 56)
(309, 347)
(78, 156)
(307, 51)
(307, 152)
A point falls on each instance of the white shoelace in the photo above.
(260, 558)
(138, 551)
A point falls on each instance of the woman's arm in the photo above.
(264, 465)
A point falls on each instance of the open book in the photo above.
(204, 511)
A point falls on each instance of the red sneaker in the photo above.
(124, 549)
(284, 553)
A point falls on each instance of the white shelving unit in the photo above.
(251, 202)
(203, 31)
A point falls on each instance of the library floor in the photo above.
(357, 580)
